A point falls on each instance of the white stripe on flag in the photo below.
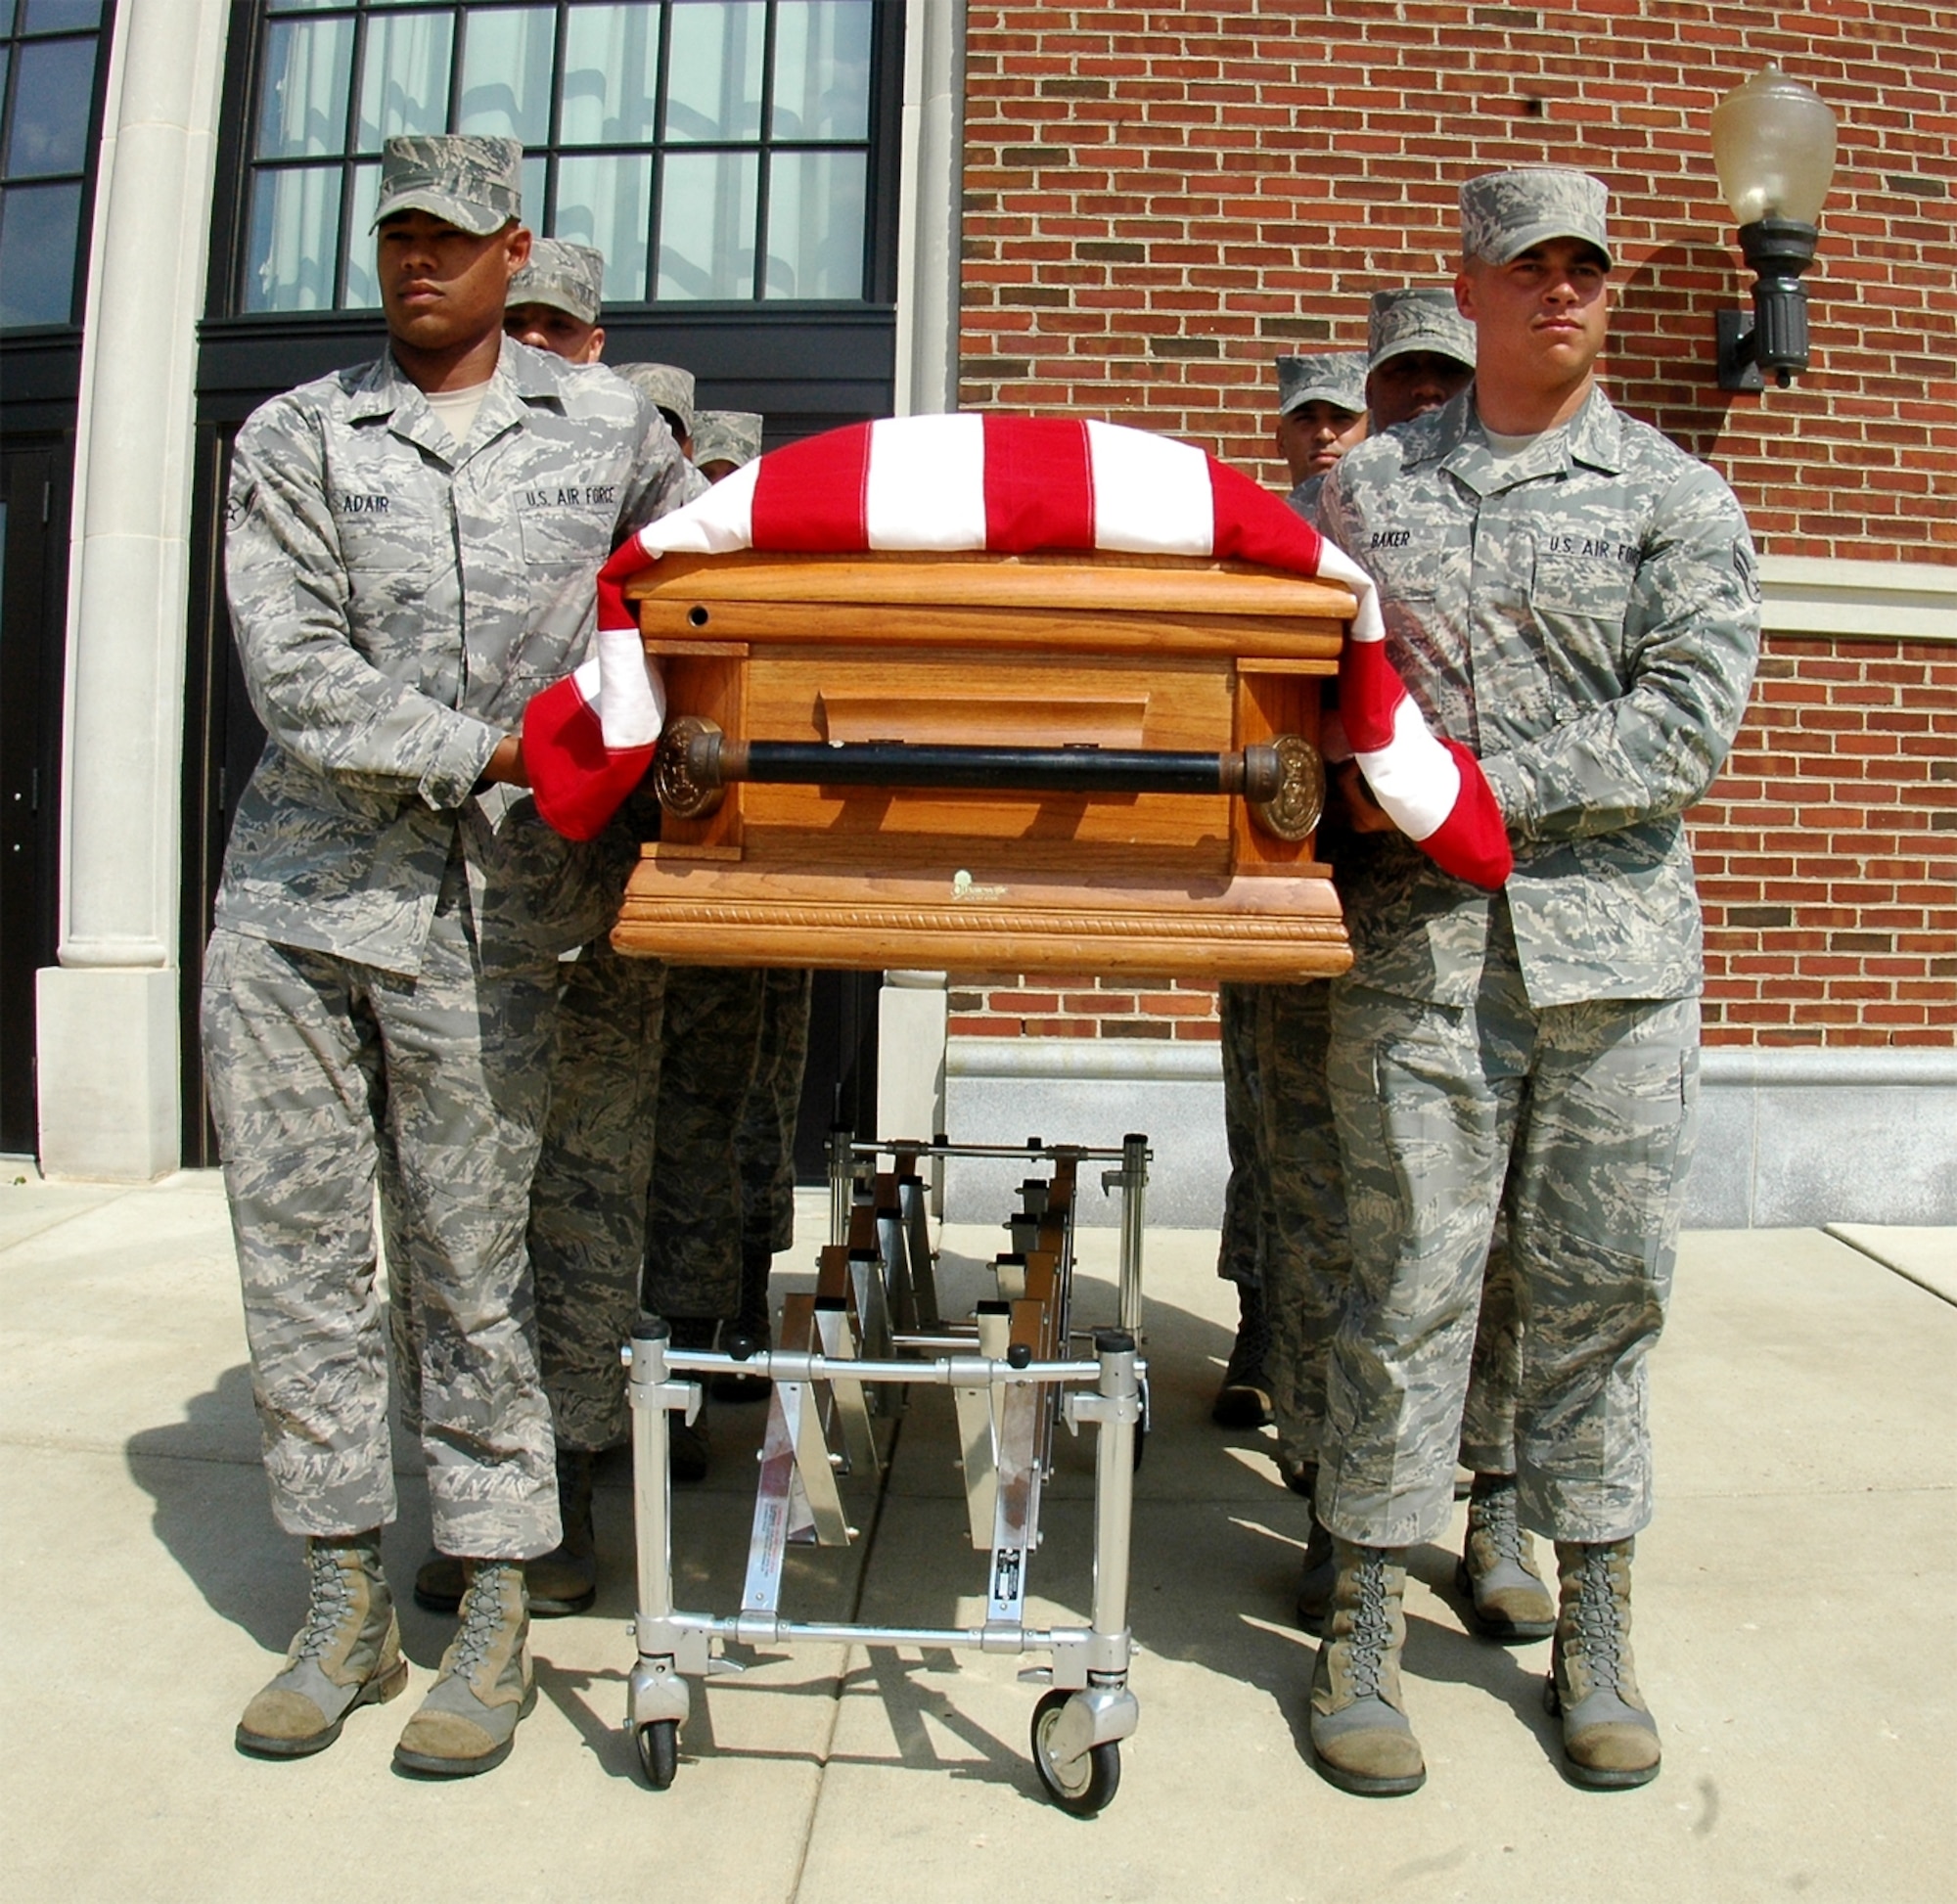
(711, 524)
(1336, 565)
(632, 700)
(1413, 776)
(1151, 496)
(926, 483)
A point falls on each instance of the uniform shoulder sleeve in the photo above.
(318, 697)
(1691, 636)
(661, 480)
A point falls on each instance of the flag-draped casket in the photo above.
(991, 694)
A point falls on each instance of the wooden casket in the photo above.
(1034, 764)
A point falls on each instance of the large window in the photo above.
(715, 150)
(47, 115)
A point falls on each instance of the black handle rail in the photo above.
(697, 762)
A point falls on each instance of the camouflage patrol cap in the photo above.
(1504, 213)
(669, 387)
(1417, 318)
(726, 436)
(474, 182)
(569, 278)
(1338, 378)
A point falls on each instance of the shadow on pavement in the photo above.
(1214, 1567)
(212, 1515)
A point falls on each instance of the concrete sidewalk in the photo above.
(1797, 1597)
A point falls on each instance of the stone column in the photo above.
(912, 1006)
(929, 189)
(107, 1037)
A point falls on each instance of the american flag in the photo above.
(1013, 485)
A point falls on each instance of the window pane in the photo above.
(611, 75)
(713, 75)
(506, 73)
(822, 69)
(706, 225)
(535, 171)
(815, 224)
(607, 203)
(38, 225)
(308, 68)
(60, 16)
(53, 87)
(363, 287)
(294, 231)
(404, 76)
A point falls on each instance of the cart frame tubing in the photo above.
(1132, 1180)
(1092, 1660)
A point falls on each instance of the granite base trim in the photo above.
(1788, 1138)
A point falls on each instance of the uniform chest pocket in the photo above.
(386, 542)
(1582, 576)
(565, 535)
(1406, 564)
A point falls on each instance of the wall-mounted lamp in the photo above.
(1773, 147)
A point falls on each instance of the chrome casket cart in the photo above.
(871, 1329)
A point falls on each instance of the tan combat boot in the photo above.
(1359, 1726)
(347, 1654)
(1609, 1740)
(1318, 1570)
(468, 1719)
(565, 1580)
(1497, 1570)
(439, 1582)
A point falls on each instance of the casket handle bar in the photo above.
(1283, 779)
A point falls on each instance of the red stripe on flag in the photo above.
(1473, 842)
(812, 496)
(1369, 690)
(1040, 484)
(579, 783)
(1253, 525)
(628, 560)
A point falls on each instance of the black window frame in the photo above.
(251, 22)
(103, 32)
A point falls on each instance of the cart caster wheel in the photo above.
(1082, 1786)
(659, 1752)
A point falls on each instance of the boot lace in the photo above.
(1600, 1630)
(1496, 1519)
(481, 1621)
(1371, 1631)
(329, 1600)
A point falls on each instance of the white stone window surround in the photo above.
(1859, 601)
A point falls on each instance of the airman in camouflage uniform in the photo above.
(694, 1245)
(1421, 353)
(380, 988)
(555, 301)
(1288, 1148)
(725, 440)
(1575, 599)
(673, 389)
(1321, 413)
(592, 1215)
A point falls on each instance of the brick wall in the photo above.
(1827, 852)
(1007, 1006)
(1159, 200)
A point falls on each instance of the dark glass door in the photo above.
(33, 567)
